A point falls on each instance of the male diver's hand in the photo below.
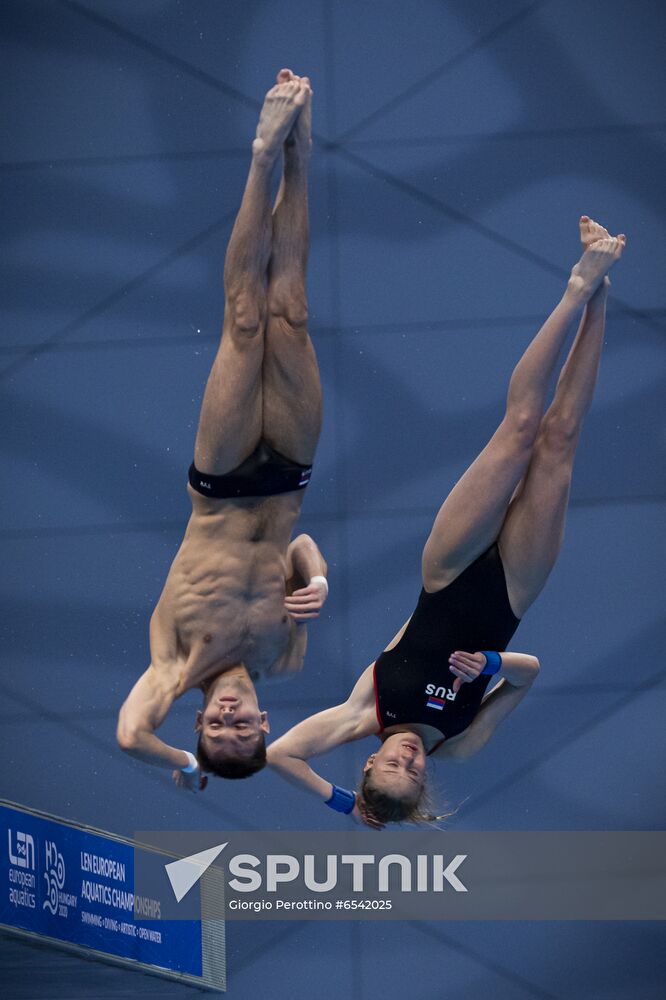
(307, 602)
(466, 667)
(194, 782)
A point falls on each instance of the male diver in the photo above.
(239, 592)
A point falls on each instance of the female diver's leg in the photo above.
(291, 386)
(231, 412)
(472, 515)
(532, 533)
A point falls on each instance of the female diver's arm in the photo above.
(517, 668)
(520, 670)
(321, 732)
(352, 720)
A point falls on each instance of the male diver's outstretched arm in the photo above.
(143, 711)
(148, 704)
(519, 672)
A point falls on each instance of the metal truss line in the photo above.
(115, 296)
(475, 802)
(37, 709)
(236, 152)
(460, 947)
(351, 330)
(315, 704)
(124, 160)
(20, 718)
(510, 135)
(328, 30)
(322, 517)
(280, 937)
(159, 53)
(479, 227)
(454, 61)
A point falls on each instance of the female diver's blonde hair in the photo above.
(379, 807)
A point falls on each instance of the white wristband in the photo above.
(320, 579)
(192, 763)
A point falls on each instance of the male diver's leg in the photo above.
(231, 413)
(532, 534)
(291, 386)
(472, 515)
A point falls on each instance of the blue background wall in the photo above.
(456, 145)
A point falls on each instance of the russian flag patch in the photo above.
(435, 703)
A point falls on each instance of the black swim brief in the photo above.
(263, 473)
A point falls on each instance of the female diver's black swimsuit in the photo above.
(413, 683)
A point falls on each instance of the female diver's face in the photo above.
(399, 767)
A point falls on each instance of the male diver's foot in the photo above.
(282, 104)
(298, 144)
(299, 139)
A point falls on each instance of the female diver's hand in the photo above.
(466, 667)
(195, 781)
(307, 602)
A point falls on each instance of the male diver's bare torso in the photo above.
(223, 600)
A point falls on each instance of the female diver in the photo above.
(491, 548)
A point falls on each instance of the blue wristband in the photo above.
(493, 662)
(341, 800)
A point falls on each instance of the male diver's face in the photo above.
(231, 722)
(399, 767)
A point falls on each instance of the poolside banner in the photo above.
(74, 886)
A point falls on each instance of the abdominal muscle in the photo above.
(223, 601)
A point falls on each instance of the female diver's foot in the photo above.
(591, 232)
(601, 252)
